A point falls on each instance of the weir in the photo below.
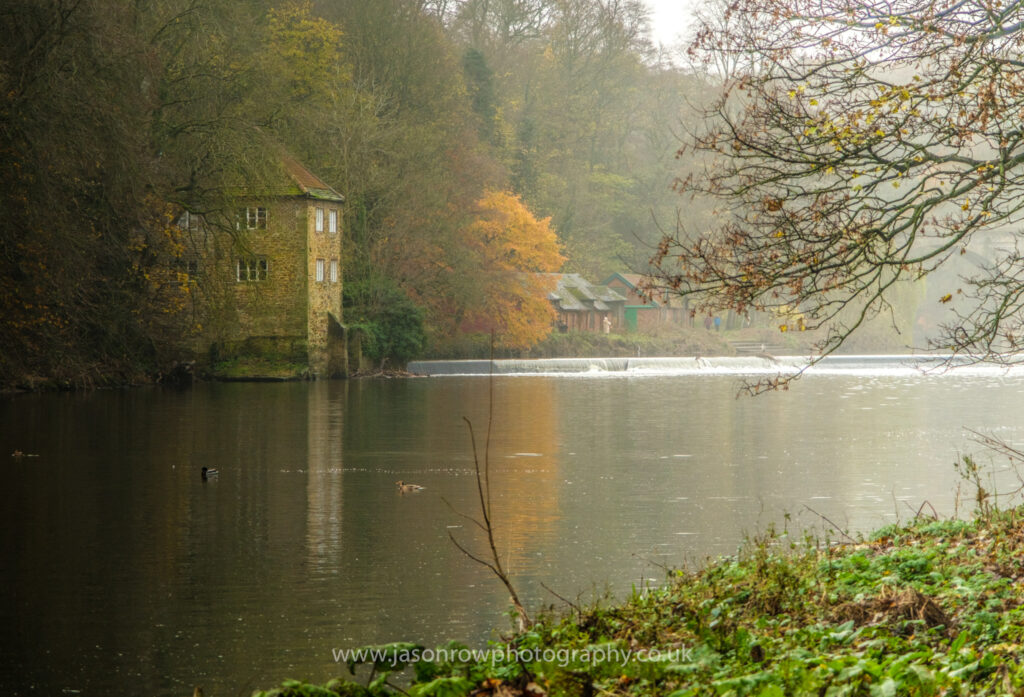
(697, 365)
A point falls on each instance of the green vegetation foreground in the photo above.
(932, 607)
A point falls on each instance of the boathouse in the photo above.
(584, 306)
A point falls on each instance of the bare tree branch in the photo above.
(857, 146)
(483, 487)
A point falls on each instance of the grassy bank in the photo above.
(928, 608)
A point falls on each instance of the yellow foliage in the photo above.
(308, 49)
(513, 248)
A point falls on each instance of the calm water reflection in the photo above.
(124, 573)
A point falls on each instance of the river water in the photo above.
(126, 574)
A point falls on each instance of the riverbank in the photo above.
(927, 608)
(266, 365)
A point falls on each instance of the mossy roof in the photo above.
(573, 293)
(308, 184)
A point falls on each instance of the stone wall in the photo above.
(269, 304)
(276, 306)
(323, 246)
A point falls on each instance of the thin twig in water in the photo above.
(395, 687)
(466, 516)
(836, 527)
(997, 444)
(664, 567)
(574, 606)
(472, 556)
(1001, 447)
(926, 502)
(483, 488)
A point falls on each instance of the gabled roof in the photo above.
(630, 279)
(633, 281)
(573, 293)
(309, 184)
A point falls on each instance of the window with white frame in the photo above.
(251, 269)
(319, 270)
(252, 218)
(334, 270)
(319, 220)
(190, 222)
(332, 221)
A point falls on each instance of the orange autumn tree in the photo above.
(511, 250)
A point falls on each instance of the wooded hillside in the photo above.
(473, 140)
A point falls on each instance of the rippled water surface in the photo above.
(125, 573)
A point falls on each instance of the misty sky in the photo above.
(669, 18)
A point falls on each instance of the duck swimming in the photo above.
(208, 472)
(402, 486)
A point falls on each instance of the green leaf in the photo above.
(442, 687)
(887, 688)
(966, 670)
(925, 677)
(958, 643)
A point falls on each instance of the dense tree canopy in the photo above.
(117, 116)
(562, 103)
(858, 145)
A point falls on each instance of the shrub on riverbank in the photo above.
(929, 608)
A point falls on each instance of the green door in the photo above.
(631, 319)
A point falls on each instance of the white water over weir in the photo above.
(714, 365)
